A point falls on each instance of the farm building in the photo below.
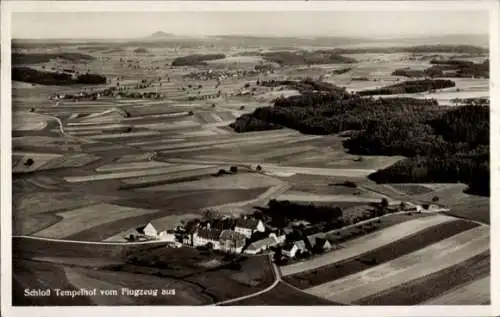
(203, 237)
(167, 236)
(247, 226)
(149, 231)
(319, 244)
(264, 244)
(290, 250)
(232, 241)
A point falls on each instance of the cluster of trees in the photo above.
(29, 75)
(247, 123)
(413, 86)
(459, 49)
(472, 101)
(449, 68)
(39, 58)
(141, 50)
(342, 70)
(303, 86)
(196, 59)
(307, 57)
(308, 212)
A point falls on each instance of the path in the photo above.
(277, 279)
(88, 242)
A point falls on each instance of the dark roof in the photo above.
(288, 246)
(140, 229)
(223, 224)
(209, 234)
(248, 223)
(231, 235)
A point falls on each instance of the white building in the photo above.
(247, 226)
(148, 230)
(264, 244)
(292, 249)
(203, 237)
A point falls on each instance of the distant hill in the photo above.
(161, 35)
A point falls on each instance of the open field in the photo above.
(130, 166)
(306, 197)
(245, 181)
(27, 121)
(76, 220)
(436, 285)
(440, 255)
(461, 204)
(134, 173)
(472, 293)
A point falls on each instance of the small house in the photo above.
(319, 244)
(167, 236)
(149, 231)
(291, 249)
(247, 226)
(264, 244)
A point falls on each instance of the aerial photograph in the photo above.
(250, 158)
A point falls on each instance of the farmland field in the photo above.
(441, 255)
(177, 131)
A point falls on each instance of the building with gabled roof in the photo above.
(291, 249)
(264, 244)
(247, 226)
(202, 237)
(232, 241)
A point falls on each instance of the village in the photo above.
(257, 233)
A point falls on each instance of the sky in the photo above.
(120, 25)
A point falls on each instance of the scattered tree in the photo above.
(29, 162)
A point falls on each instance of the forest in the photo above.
(449, 69)
(196, 59)
(39, 58)
(283, 210)
(29, 75)
(408, 87)
(454, 141)
(459, 49)
(306, 58)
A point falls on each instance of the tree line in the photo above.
(39, 58)
(30, 75)
(196, 59)
(307, 57)
(450, 69)
(408, 87)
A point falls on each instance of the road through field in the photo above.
(430, 259)
(269, 167)
(277, 279)
(367, 243)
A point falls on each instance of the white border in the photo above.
(8, 7)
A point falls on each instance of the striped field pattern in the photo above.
(435, 260)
